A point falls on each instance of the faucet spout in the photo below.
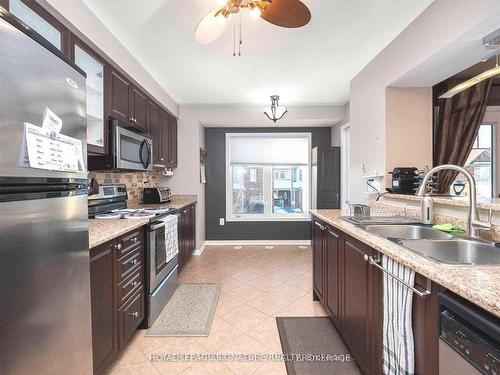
(473, 222)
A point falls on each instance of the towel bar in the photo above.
(416, 291)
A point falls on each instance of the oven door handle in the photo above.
(156, 226)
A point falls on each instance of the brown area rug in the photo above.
(314, 336)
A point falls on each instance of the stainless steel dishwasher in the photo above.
(469, 338)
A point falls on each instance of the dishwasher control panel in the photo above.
(480, 350)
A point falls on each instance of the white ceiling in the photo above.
(309, 65)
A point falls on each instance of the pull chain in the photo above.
(241, 38)
(234, 40)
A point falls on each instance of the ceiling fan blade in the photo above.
(287, 13)
(211, 27)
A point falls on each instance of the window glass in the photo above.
(95, 95)
(267, 176)
(37, 23)
(288, 192)
(479, 164)
(248, 190)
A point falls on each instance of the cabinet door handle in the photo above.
(161, 159)
(133, 261)
(119, 246)
(135, 239)
(134, 314)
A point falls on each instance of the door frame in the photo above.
(345, 151)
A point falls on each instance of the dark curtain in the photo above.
(456, 129)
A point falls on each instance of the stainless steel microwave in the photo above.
(131, 150)
(128, 150)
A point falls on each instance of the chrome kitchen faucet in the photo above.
(474, 223)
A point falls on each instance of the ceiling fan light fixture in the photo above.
(255, 11)
(275, 112)
(211, 27)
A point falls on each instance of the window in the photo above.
(267, 176)
(480, 164)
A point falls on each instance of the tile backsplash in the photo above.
(135, 181)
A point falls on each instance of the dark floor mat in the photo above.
(304, 336)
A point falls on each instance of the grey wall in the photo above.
(215, 191)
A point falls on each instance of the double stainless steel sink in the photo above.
(439, 246)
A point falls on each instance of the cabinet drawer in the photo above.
(129, 241)
(130, 316)
(128, 263)
(130, 285)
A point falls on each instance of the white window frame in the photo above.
(267, 183)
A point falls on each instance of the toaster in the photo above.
(156, 195)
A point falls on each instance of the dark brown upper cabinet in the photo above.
(127, 103)
(120, 92)
(41, 21)
(139, 109)
(164, 134)
(95, 68)
(164, 137)
(154, 129)
(172, 142)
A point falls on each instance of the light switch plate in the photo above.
(221, 221)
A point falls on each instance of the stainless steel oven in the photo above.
(130, 150)
(161, 274)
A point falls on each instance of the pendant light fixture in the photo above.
(275, 112)
(473, 81)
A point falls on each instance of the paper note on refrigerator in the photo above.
(51, 121)
(56, 152)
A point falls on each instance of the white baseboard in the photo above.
(199, 251)
(256, 242)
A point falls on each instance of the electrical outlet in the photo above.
(221, 221)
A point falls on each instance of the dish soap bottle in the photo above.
(427, 206)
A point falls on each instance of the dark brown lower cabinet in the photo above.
(117, 295)
(360, 321)
(187, 234)
(318, 261)
(104, 345)
(333, 275)
(351, 290)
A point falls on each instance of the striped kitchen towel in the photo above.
(171, 237)
(398, 352)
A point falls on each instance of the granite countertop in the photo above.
(101, 231)
(178, 202)
(478, 284)
(483, 203)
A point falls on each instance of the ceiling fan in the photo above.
(284, 13)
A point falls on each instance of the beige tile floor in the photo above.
(258, 284)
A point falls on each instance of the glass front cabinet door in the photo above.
(40, 20)
(95, 68)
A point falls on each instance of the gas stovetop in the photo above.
(139, 213)
(111, 203)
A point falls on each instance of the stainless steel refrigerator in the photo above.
(45, 319)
